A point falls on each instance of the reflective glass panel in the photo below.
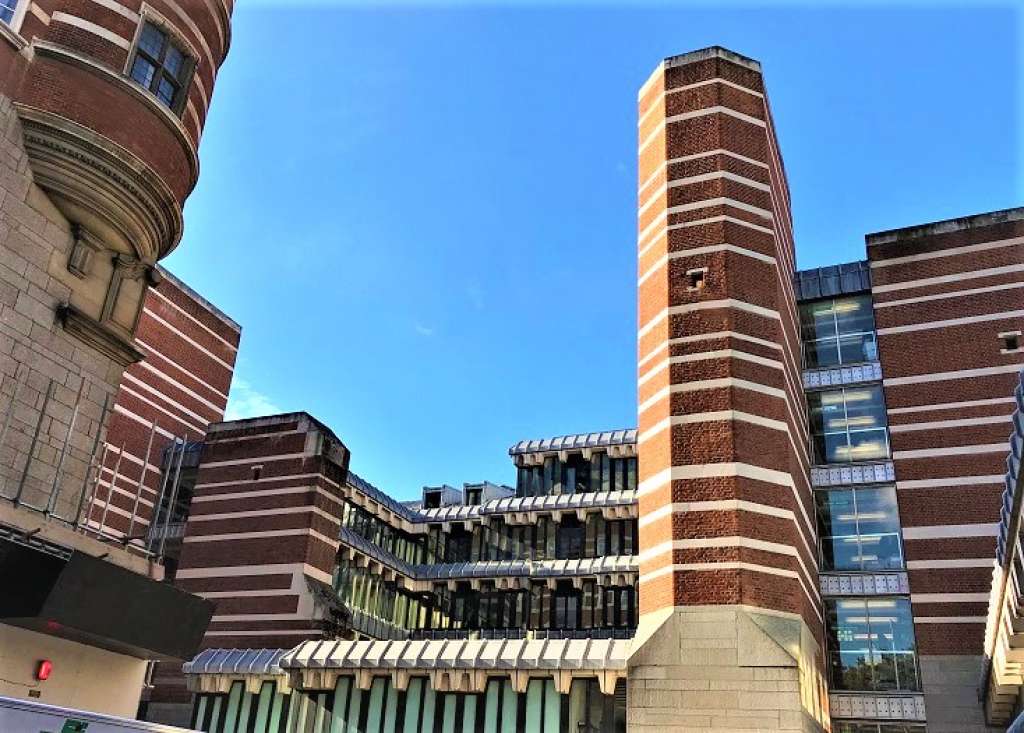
(838, 331)
(871, 644)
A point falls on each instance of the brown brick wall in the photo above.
(951, 450)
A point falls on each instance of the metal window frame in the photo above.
(915, 654)
(846, 430)
(18, 15)
(838, 336)
(183, 83)
(858, 534)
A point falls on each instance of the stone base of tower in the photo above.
(720, 668)
(950, 684)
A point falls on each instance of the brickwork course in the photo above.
(174, 393)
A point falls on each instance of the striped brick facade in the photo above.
(723, 446)
(174, 393)
(725, 501)
(947, 300)
(261, 538)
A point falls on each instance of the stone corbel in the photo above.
(563, 681)
(520, 680)
(461, 681)
(400, 679)
(364, 679)
(112, 345)
(126, 267)
(83, 250)
(439, 680)
(606, 681)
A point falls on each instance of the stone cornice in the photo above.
(85, 170)
(92, 333)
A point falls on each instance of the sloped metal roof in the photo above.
(235, 661)
(504, 505)
(823, 282)
(511, 504)
(575, 442)
(494, 568)
(466, 654)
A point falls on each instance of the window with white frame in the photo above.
(162, 65)
(11, 12)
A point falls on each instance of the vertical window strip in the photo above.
(429, 706)
(391, 708)
(262, 717)
(510, 708)
(199, 712)
(280, 713)
(552, 708)
(213, 726)
(413, 706)
(244, 713)
(375, 706)
(233, 702)
(493, 706)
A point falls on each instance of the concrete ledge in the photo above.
(57, 532)
(975, 221)
(711, 52)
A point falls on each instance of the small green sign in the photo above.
(74, 726)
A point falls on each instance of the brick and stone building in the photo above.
(798, 535)
(159, 417)
(102, 106)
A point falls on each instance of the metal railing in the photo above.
(37, 429)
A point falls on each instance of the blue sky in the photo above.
(424, 216)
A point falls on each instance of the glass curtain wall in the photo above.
(859, 529)
(848, 425)
(871, 645)
(420, 709)
(242, 712)
(545, 539)
(404, 546)
(838, 331)
(368, 592)
(590, 608)
(577, 475)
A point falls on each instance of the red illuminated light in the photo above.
(43, 669)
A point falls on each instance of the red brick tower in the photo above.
(727, 532)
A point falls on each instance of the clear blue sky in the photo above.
(424, 217)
